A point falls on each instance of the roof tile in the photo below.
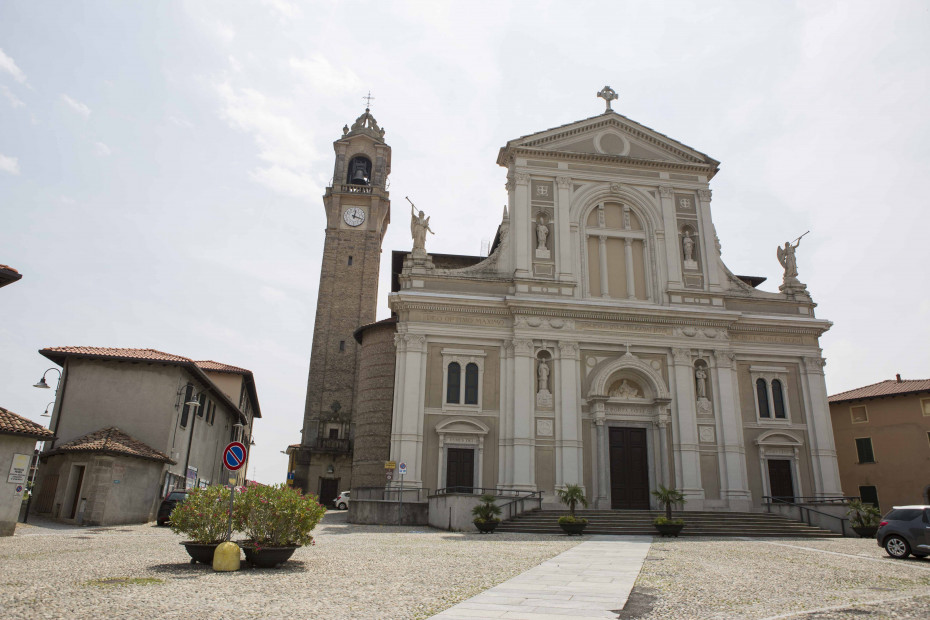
(889, 387)
(112, 441)
(221, 367)
(15, 424)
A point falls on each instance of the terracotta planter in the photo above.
(200, 552)
(669, 529)
(486, 527)
(267, 557)
(573, 529)
(866, 531)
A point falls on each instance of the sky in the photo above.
(162, 164)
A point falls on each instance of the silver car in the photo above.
(905, 531)
(342, 501)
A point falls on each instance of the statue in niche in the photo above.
(688, 245)
(701, 377)
(542, 374)
(786, 256)
(419, 226)
(542, 234)
(626, 390)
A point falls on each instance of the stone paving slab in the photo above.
(592, 580)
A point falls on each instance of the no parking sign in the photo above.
(234, 456)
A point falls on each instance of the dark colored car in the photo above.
(168, 504)
(905, 531)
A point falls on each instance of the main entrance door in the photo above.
(780, 481)
(460, 469)
(329, 489)
(629, 471)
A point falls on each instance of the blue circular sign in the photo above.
(234, 456)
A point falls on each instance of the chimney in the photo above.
(899, 377)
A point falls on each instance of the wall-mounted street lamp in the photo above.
(47, 414)
(194, 403)
(42, 384)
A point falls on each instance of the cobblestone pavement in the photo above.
(140, 571)
(778, 578)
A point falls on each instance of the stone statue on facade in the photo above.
(626, 390)
(687, 246)
(786, 256)
(419, 226)
(543, 395)
(701, 378)
(542, 233)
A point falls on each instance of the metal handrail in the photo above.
(520, 497)
(805, 511)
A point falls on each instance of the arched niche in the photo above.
(649, 379)
(461, 433)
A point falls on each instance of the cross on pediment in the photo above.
(368, 99)
(608, 94)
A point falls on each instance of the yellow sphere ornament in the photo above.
(226, 557)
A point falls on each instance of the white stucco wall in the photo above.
(10, 500)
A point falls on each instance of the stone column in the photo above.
(566, 267)
(709, 250)
(505, 441)
(603, 457)
(568, 441)
(820, 429)
(662, 429)
(524, 436)
(690, 482)
(672, 247)
(602, 257)
(520, 218)
(407, 438)
(730, 438)
(630, 277)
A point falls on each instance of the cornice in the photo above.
(511, 152)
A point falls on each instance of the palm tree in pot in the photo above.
(571, 496)
(864, 517)
(667, 526)
(485, 514)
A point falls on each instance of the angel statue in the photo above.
(786, 256)
(419, 226)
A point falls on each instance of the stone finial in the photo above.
(608, 94)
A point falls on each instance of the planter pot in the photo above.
(267, 557)
(200, 552)
(573, 529)
(669, 529)
(486, 527)
(867, 531)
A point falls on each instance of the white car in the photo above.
(342, 501)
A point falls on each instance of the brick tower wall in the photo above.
(374, 405)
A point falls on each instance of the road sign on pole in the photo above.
(402, 469)
(234, 456)
(390, 464)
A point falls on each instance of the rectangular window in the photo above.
(342, 346)
(350, 261)
(185, 412)
(334, 433)
(202, 399)
(859, 414)
(925, 406)
(864, 450)
(869, 495)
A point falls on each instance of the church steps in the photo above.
(639, 522)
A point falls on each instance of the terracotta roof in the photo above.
(8, 275)
(15, 424)
(112, 441)
(221, 367)
(890, 387)
(58, 355)
(8, 268)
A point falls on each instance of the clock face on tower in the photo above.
(354, 216)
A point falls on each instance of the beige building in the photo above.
(132, 424)
(882, 434)
(18, 437)
(602, 342)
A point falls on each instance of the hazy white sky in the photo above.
(162, 164)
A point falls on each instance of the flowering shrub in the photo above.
(277, 516)
(203, 516)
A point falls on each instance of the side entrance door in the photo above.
(460, 469)
(780, 482)
(329, 489)
(629, 470)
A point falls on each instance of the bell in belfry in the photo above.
(359, 171)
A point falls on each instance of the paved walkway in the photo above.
(592, 580)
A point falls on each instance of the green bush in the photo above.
(204, 516)
(487, 510)
(863, 515)
(667, 521)
(277, 516)
(570, 519)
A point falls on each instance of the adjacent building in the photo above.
(18, 437)
(132, 424)
(882, 434)
(602, 342)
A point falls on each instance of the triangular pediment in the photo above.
(611, 135)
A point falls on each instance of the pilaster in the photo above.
(708, 245)
(524, 433)
(687, 448)
(407, 439)
(670, 222)
(568, 440)
(820, 429)
(599, 411)
(563, 238)
(735, 487)
(521, 217)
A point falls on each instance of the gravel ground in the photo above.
(779, 578)
(351, 572)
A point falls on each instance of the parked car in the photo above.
(905, 531)
(342, 501)
(167, 505)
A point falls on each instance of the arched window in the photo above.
(454, 382)
(778, 399)
(471, 384)
(359, 172)
(762, 394)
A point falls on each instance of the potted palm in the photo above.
(276, 520)
(571, 496)
(864, 518)
(667, 526)
(485, 514)
(204, 519)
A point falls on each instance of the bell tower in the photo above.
(358, 210)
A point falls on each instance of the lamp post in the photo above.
(192, 402)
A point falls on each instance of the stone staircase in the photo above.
(639, 522)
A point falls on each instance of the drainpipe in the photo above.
(190, 442)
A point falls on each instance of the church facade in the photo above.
(602, 342)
